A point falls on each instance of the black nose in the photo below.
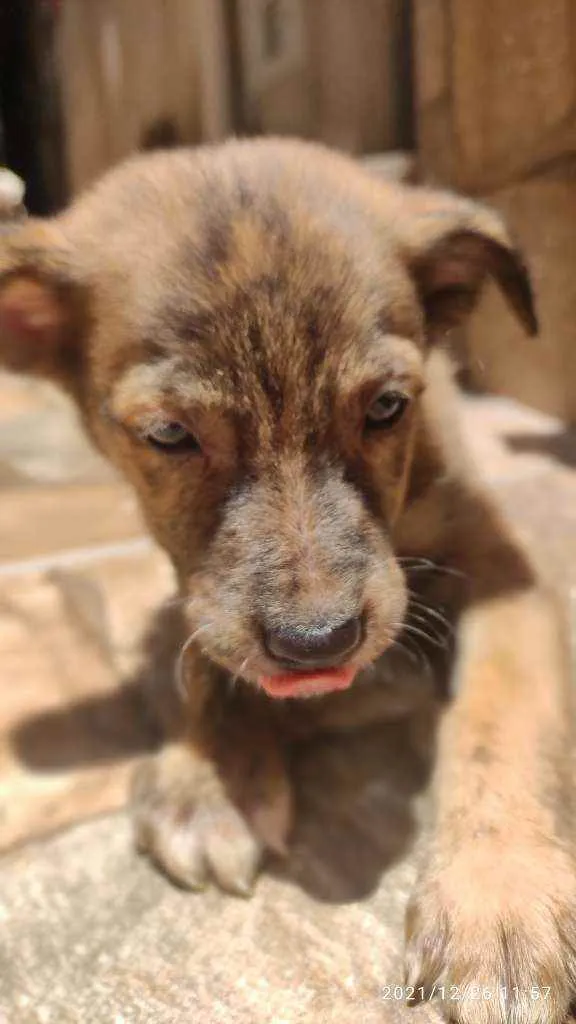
(314, 645)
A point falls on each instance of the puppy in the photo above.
(253, 335)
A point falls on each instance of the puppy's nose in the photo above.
(314, 645)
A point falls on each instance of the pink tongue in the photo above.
(307, 684)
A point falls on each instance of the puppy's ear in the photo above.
(453, 245)
(41, 304)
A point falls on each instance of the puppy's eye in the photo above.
(172, 437)
(386, 410)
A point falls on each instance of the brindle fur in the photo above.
(261, 292)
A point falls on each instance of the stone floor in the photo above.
(88, 932)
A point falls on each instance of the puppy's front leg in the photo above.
(217, 794)
(491, 928)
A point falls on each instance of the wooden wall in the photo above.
(126, 66)
(345, 78)
(496, 116)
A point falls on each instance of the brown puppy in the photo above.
(251, 334)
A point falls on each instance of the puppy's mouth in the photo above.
(311, 683)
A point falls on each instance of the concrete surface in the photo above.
(90, 933)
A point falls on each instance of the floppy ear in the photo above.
(453, 245)
(41, 304)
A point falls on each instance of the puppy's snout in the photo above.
(314, 645)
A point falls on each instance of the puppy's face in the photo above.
(245, 332)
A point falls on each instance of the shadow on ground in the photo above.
(560, 446)
(354, 790)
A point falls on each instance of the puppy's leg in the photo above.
(217, 794)
(491, 928)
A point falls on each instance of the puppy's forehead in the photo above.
(261, 277)
(263, 289)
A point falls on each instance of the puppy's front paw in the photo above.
(491, 933)
(187, 822)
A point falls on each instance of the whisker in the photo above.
(405, 650)
(415, 650)
(179, 669)
(238, 675)
(420, 632)
(421, 658)
(419, 564)
(422, 619)
(431, 611)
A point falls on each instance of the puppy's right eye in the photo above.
(386, 410)
(172, 437)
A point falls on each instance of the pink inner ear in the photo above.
(450, 273)
(457, 261)
(29, 313)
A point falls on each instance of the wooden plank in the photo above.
(86, 131)
(496, 88)
(214, 69)
(126, 66)
(513, 78)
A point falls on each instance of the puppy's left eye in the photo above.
(172, 437)
(386, 410)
